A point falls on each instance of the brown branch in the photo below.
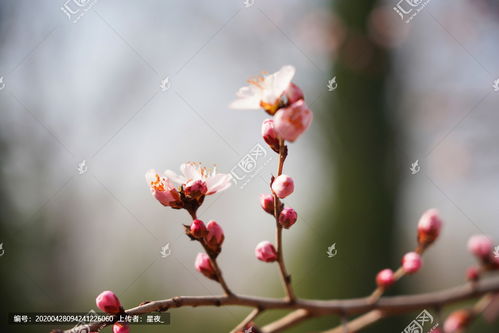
(286, 278)
(289, 320)
(358, 323)
(388, 305)
(251, 316)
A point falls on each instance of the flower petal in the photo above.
(171, 175)
(218, 183)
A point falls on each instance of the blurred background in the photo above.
(95, 93)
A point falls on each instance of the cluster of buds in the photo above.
(482, 248)
(193, 185)
(429, 227)
(284, 100)
(211, 236)
(108, 302)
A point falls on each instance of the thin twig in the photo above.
(358, 323)
(251, 316)
(286, 278)
(289, 320)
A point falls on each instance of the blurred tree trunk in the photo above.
(360, 215)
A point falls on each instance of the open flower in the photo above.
(198, 181)
(265, 92)
(163, 190)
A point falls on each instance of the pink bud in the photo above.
(267, 203)
(293, 93)
(457, 321)
(108, 302)
(198, 229)
(163, 190)
(270, 135)
(266, 252)
(214, 236)
(203, 265)
(287, 217)
(385, 278)
(473, 274)
(283, 186)
(429, 227)
(480, 246)
(120, 328)
(411, 262)
(292, 121)
(195, 189)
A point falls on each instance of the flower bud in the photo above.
(270, 135)
(457, 321)
(108, 302)
(411, 262)
(198, 229)
(287, 217)
(292, 121)
(473, 274)
(214, 236)
(480, 246)
(120, 328)
(283, 186)
(195, 189)
(429, 227)
(385, 278)
(204, 266)
(293, 93)
(266, 252)
(267, 203)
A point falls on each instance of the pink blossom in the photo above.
(385, 278)
(198, 229)
(215, 235)
(204, 266)
(194, 172)
(163, 190)
(266, 252)
(283, 186)
(264, 92)
(411, 262)
(292, 121)
(293, 93)
(480, 246)
(287, 217)
(120, 328)
(108, 302)
(429, 227)
(270, 135)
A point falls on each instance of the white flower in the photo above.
(265, 91)
(192, 172)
